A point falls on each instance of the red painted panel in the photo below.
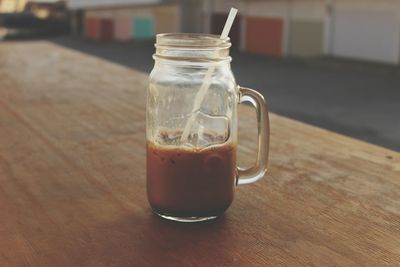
(106, 29)
(264, 35)
(91, 28)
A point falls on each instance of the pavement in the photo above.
(357, 99)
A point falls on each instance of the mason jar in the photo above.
(191, 128)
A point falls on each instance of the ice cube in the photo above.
(208, 130)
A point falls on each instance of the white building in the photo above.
(359, 29)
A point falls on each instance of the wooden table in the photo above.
(72, 180)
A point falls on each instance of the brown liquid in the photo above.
(185, 182)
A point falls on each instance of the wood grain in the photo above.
(72, 180)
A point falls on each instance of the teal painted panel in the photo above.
(143, 27)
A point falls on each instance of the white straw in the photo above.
(228, 23)
(207, 80)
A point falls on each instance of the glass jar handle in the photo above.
(257, 171)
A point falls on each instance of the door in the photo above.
(264, 35)
(91, 27)
(106, 32)
(366, 34)
(143, 27)
(306, 37)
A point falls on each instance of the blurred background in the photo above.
(330, 63)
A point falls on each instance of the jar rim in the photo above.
(188, 40)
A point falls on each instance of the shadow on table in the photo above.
(146, 240)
